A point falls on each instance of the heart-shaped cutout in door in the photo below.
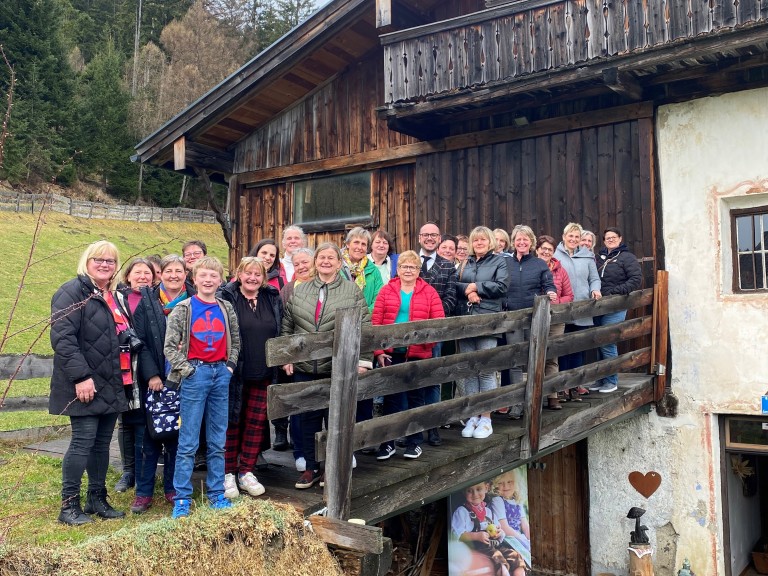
(646, 484)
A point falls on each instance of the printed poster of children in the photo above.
(489, 533)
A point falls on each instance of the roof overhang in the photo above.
(204, 135)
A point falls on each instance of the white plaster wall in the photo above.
(712, 155)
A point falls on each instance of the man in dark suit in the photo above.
(441, 275)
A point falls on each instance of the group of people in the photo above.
(170, 340)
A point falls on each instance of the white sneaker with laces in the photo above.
(469, 429)
(250, 484)
(484, 428)
(301, 464)
(230, 487)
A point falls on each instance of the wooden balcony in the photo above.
(514, 49)
(376, 491)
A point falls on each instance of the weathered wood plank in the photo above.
(288, 399)
(537, 354)
(342, 410)
(358, 537)
(316, 346)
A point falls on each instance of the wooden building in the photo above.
(391, 113)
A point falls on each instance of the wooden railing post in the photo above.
(660, 332)
(342, 411)
(537, 357)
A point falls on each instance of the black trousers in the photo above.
(88, 450)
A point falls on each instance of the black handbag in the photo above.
(163, 414)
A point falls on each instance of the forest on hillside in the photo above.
(82, 81)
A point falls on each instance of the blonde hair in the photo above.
(408, 256)
(523, 229)
(249, 261)
(504, 236)
(208, 263)
(99, 249)
(572, 226)
(484, 231)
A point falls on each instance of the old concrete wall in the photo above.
(713, 156)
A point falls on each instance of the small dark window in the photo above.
(332, 203)
(749, 230)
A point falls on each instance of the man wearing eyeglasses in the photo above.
(441, 275)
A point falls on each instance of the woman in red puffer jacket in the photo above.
(406, 298)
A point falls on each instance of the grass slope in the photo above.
(255, 537)
(61, 241)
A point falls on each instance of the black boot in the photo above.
(281, 437)
(96, 503)
(72, 514)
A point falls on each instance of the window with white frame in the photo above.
(749, 234)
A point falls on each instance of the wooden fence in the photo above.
(344, 345)
(20, 202)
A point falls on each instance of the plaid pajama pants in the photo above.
(246, 439)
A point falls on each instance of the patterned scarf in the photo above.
(169, 304)
(356, 270)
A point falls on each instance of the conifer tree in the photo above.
(40, 122)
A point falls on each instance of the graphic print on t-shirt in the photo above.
(207, 340)
(208, 330)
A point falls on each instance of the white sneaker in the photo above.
(595, 386)
(230, 487)
(469, 429)
(250, 484)
(301, 464)
(354, 462)
(483, 429)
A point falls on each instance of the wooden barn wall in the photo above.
(336, 120)
(263, 212)
(599, 177)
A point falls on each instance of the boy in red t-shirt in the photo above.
(202, 343)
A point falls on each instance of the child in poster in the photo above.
(481, 547)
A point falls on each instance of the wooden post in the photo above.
(383, 14)
(640, 560)
(660, 334)
(342, 411)
(180, 154)
(537, 357)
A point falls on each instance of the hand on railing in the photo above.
(596, 294)
(288, 368)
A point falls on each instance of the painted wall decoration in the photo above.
(645, 484)
(489, 531)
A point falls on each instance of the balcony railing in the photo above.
(500, 44)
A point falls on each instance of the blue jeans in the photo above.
(88, 451)
(607, 351)
(483, 381)
(206, 392)
(401, 401)
(151, 452)
(432, 393)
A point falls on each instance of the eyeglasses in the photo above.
(409, 268)
(107, 261)
(430, 235)
(611, 238)
(460, 249)
(543, 249)
(195, 254)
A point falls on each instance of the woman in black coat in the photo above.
(149, 320)
(91, 371)
(259, 311)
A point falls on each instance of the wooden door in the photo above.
(558, 500)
